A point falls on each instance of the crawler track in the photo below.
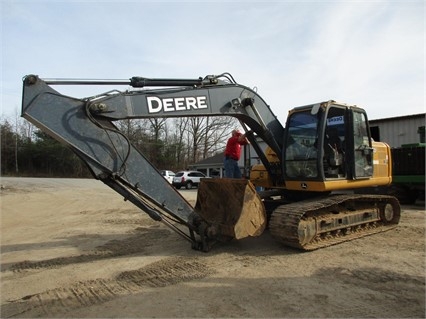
(313, 224)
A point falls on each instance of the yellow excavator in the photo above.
(308, 171)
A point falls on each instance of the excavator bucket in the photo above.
(232, 206)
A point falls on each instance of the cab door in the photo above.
(362, 156)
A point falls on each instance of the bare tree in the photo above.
(178, 142)
(158, 126)
(26, 130)
(180, 125)
(217, 133)
(208, 135)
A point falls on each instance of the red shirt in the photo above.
(233, 147)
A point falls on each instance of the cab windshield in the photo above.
(301, 154)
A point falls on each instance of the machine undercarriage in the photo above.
(322, 222)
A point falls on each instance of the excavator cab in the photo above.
(328, 147)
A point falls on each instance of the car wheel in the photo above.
(177, 187)
(189, 185)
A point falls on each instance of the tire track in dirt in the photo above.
(143, 239)
(57, 301)
(166, 272)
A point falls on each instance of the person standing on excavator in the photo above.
(232, 154)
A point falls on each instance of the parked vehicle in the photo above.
(408, 172)
(187, 179)
(168, 175)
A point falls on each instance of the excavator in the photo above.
(308, 170)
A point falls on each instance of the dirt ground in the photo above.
(74, 249)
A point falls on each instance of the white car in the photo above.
(187, 179)
(168, 175)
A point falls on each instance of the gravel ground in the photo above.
(72, 248)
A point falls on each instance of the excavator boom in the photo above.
(86, 126)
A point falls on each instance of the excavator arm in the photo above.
(86, 126)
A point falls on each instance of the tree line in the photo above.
(168, 143)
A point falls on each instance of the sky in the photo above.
(367, 53)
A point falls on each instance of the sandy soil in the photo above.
(74, 248)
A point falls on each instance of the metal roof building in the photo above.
(397, 131)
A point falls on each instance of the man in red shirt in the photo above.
(232, 154)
